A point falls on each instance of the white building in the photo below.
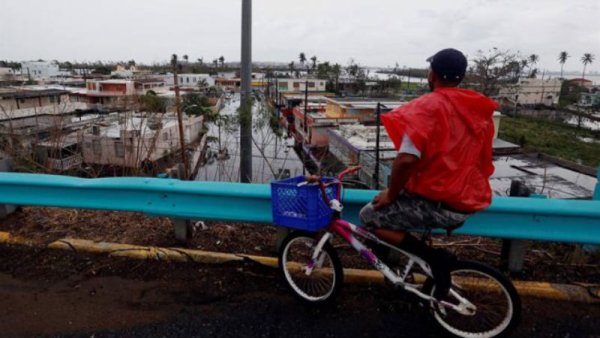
(7, 74)
(533, 91)
(227, 75)
(188, 80)
(130, 139)
(124, 72)
(40, 70)
(298, 85)
(21, 102)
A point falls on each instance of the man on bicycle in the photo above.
(441, 173)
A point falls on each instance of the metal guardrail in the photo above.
(572, 221)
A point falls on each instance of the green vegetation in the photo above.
(552, 138)
(196, 104)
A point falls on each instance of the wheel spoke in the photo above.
(320, 284)
(488, 291)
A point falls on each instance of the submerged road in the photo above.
(59, 294)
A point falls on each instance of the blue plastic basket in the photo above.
(301, 207)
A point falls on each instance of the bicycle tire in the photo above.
(474, 290)
(330, 276)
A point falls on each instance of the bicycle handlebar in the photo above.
(313, 179)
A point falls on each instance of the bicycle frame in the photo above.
(347, 230)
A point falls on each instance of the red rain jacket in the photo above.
(454, 130)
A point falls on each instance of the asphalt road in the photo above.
(49, 293)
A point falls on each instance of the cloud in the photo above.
(376, 32)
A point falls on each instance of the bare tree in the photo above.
(494, 68)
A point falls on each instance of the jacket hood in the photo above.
(475, 109)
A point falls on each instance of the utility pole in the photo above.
(376, 173)
(304, 148)
(246, 99)
(179, 118)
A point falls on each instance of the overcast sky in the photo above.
(372, 32)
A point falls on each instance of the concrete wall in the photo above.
(298, 85)
(25, 103)
(534, 91)
(52, 109)
(39, 70)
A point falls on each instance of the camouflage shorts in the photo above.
(411, 211)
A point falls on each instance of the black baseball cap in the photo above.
(449, 64)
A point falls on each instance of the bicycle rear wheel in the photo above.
(495, 308)
(323, 283)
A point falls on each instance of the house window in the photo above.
(165, 137)
(187, 80)
(283, 85)
(119, 149)
(97, 147)
(311, 85)
(296, 85)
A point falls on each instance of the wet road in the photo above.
(45, 293)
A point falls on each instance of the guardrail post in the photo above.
(513, 251)
(593, 248)
(597, 190)
(281, 234)
(183, 227)
(513, 255)
(6, 209)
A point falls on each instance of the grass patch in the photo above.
(552, 138)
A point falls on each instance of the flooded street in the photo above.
(273, 156)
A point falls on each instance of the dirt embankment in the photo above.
(553, 262)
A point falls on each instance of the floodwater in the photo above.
(273, 157)
(541, 177)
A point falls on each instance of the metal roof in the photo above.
(31, 93)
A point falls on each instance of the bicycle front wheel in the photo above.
(319, 286)
(492, 307)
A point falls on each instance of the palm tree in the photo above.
(302, 58)
(216, 62)
(586, 59)
(314, 62)
(532, 60)
(337, 71)
(523, 64)
(291, 66)
(185, 58)
(562, 58)
(203, 85)
(200, 61)
(174, 60)
(222, 60)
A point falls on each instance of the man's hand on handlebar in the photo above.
(313, 179)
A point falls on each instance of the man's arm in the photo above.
(402, 168)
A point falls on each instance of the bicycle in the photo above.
(481, 302)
